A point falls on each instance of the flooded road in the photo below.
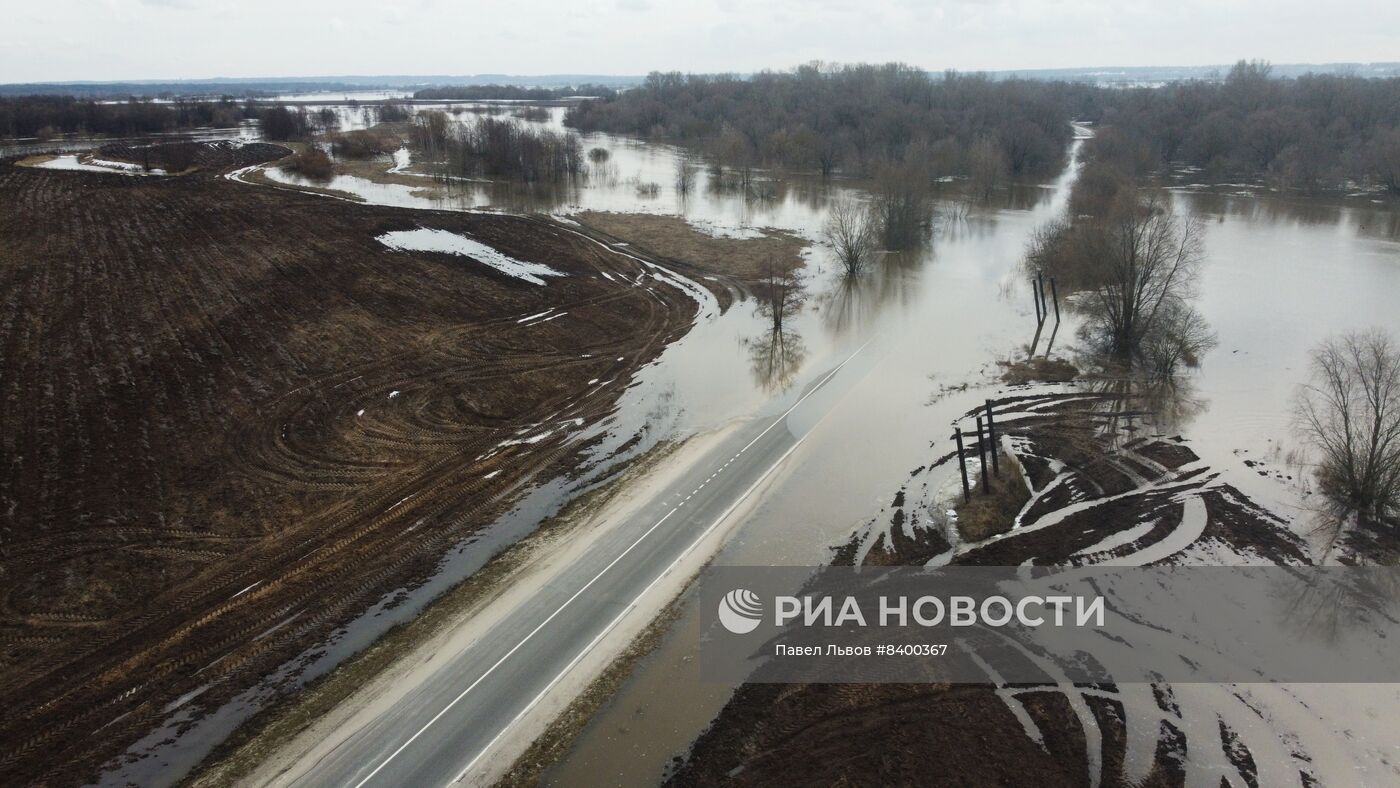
(1279, 277)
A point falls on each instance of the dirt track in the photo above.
(232, 419)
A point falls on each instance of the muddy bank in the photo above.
(236, 418)
(1101, 485)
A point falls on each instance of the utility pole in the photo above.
(982, 456)
(962, 464)
(992, 437)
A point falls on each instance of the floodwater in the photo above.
(1280, 277)
(930, 327)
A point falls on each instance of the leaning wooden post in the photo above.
(982, 455)
(992, 438)
(1040, 286)
(1055, 295)
(1035, 298)
(962, 464)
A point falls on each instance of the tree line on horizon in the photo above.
(852, 118)
(511, 92)
(1309, 132)
(1316, 131)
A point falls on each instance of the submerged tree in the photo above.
(903, 206)
(781, 291)
(1143, 262)
(685, 176)
(850, 231)
(1350, 411)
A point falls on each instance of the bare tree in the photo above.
(850, 231)
(1350, 411)
(685, 176)
(1144, 261)
(781, 291)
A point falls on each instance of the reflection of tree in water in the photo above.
(775, 357)
(1140, 401)
(854, 301)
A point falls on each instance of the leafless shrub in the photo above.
(363, 143)
(1350, 412)
(685, 176)
(532, 114)
(903, 207)
(312, 163)
(1180, 338)
(850, 231)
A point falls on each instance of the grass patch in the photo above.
(1038, 370)
(992, 513)
(674, 238)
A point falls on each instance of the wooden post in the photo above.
(1055, 295)
(962, 464)
(1040, 285)
(982, 455)
(992, 437)
(1035, 298)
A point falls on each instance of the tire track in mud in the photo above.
(263, 595)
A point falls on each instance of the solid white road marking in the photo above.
(602, 572)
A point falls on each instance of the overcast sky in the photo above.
(191, 39)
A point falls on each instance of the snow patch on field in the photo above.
(425, 240)
(73, 162)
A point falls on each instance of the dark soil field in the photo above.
(181, 156)
(232, 419)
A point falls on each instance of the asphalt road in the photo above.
(444, 728)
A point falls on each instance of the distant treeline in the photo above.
(494, 148)
(45, 116)
(51, 116)
(171, 90)
(1313, 131)
(511, 93)
(1309, 132)
(854, 118)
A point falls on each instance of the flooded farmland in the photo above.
(922, 335)
(931, 328)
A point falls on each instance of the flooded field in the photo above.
(925, 329)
